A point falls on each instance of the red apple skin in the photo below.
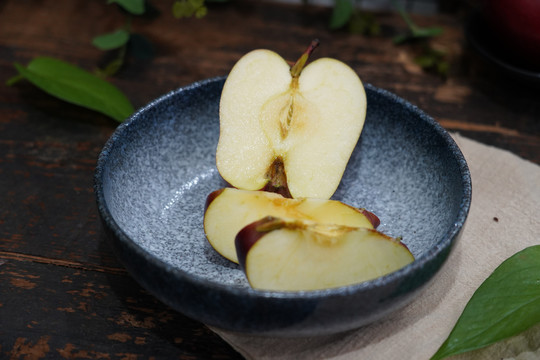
(247, 237)
(517, 24)
(211, 197)
(250, 234)
(373, 219)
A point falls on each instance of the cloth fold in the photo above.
(503, 220)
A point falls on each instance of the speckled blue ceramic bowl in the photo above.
(155, 172)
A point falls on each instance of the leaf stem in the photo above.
(411, 25)
(11, 81)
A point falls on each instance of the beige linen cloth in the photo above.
(503, 219)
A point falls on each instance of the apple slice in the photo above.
(294, 255)
(228, 210)
(289, 130)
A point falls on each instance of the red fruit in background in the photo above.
(516, 23)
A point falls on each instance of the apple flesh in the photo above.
(294, 255)
(289, 130)
(229, 210)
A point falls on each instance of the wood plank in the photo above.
(60, 312)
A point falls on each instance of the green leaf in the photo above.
(76, 86)
(425, 61)
(112, 40)
(364, 23)
(415, 32)
(135, 7)
(506, 304)
(182, 9)
(342, 12)
(201, 12)
(442, 67)
(189, 8)
(110, 68)
(431, 59)
(419, 32)
(401, 38)
(196, 3)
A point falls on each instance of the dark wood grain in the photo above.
(63, 293)
(70, 312)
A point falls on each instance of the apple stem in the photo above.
(298, 66)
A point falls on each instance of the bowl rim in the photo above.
(444, 243)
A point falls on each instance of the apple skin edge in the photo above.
(373, 219)
(211, 197)
(250, 234)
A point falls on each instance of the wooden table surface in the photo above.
(63, 294)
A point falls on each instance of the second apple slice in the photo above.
(298, 255)
(229, 210)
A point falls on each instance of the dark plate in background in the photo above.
(485, 43)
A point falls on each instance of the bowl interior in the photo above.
(160, 167)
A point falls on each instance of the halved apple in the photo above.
(228, 210)
(289, 130)
(295, 255)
